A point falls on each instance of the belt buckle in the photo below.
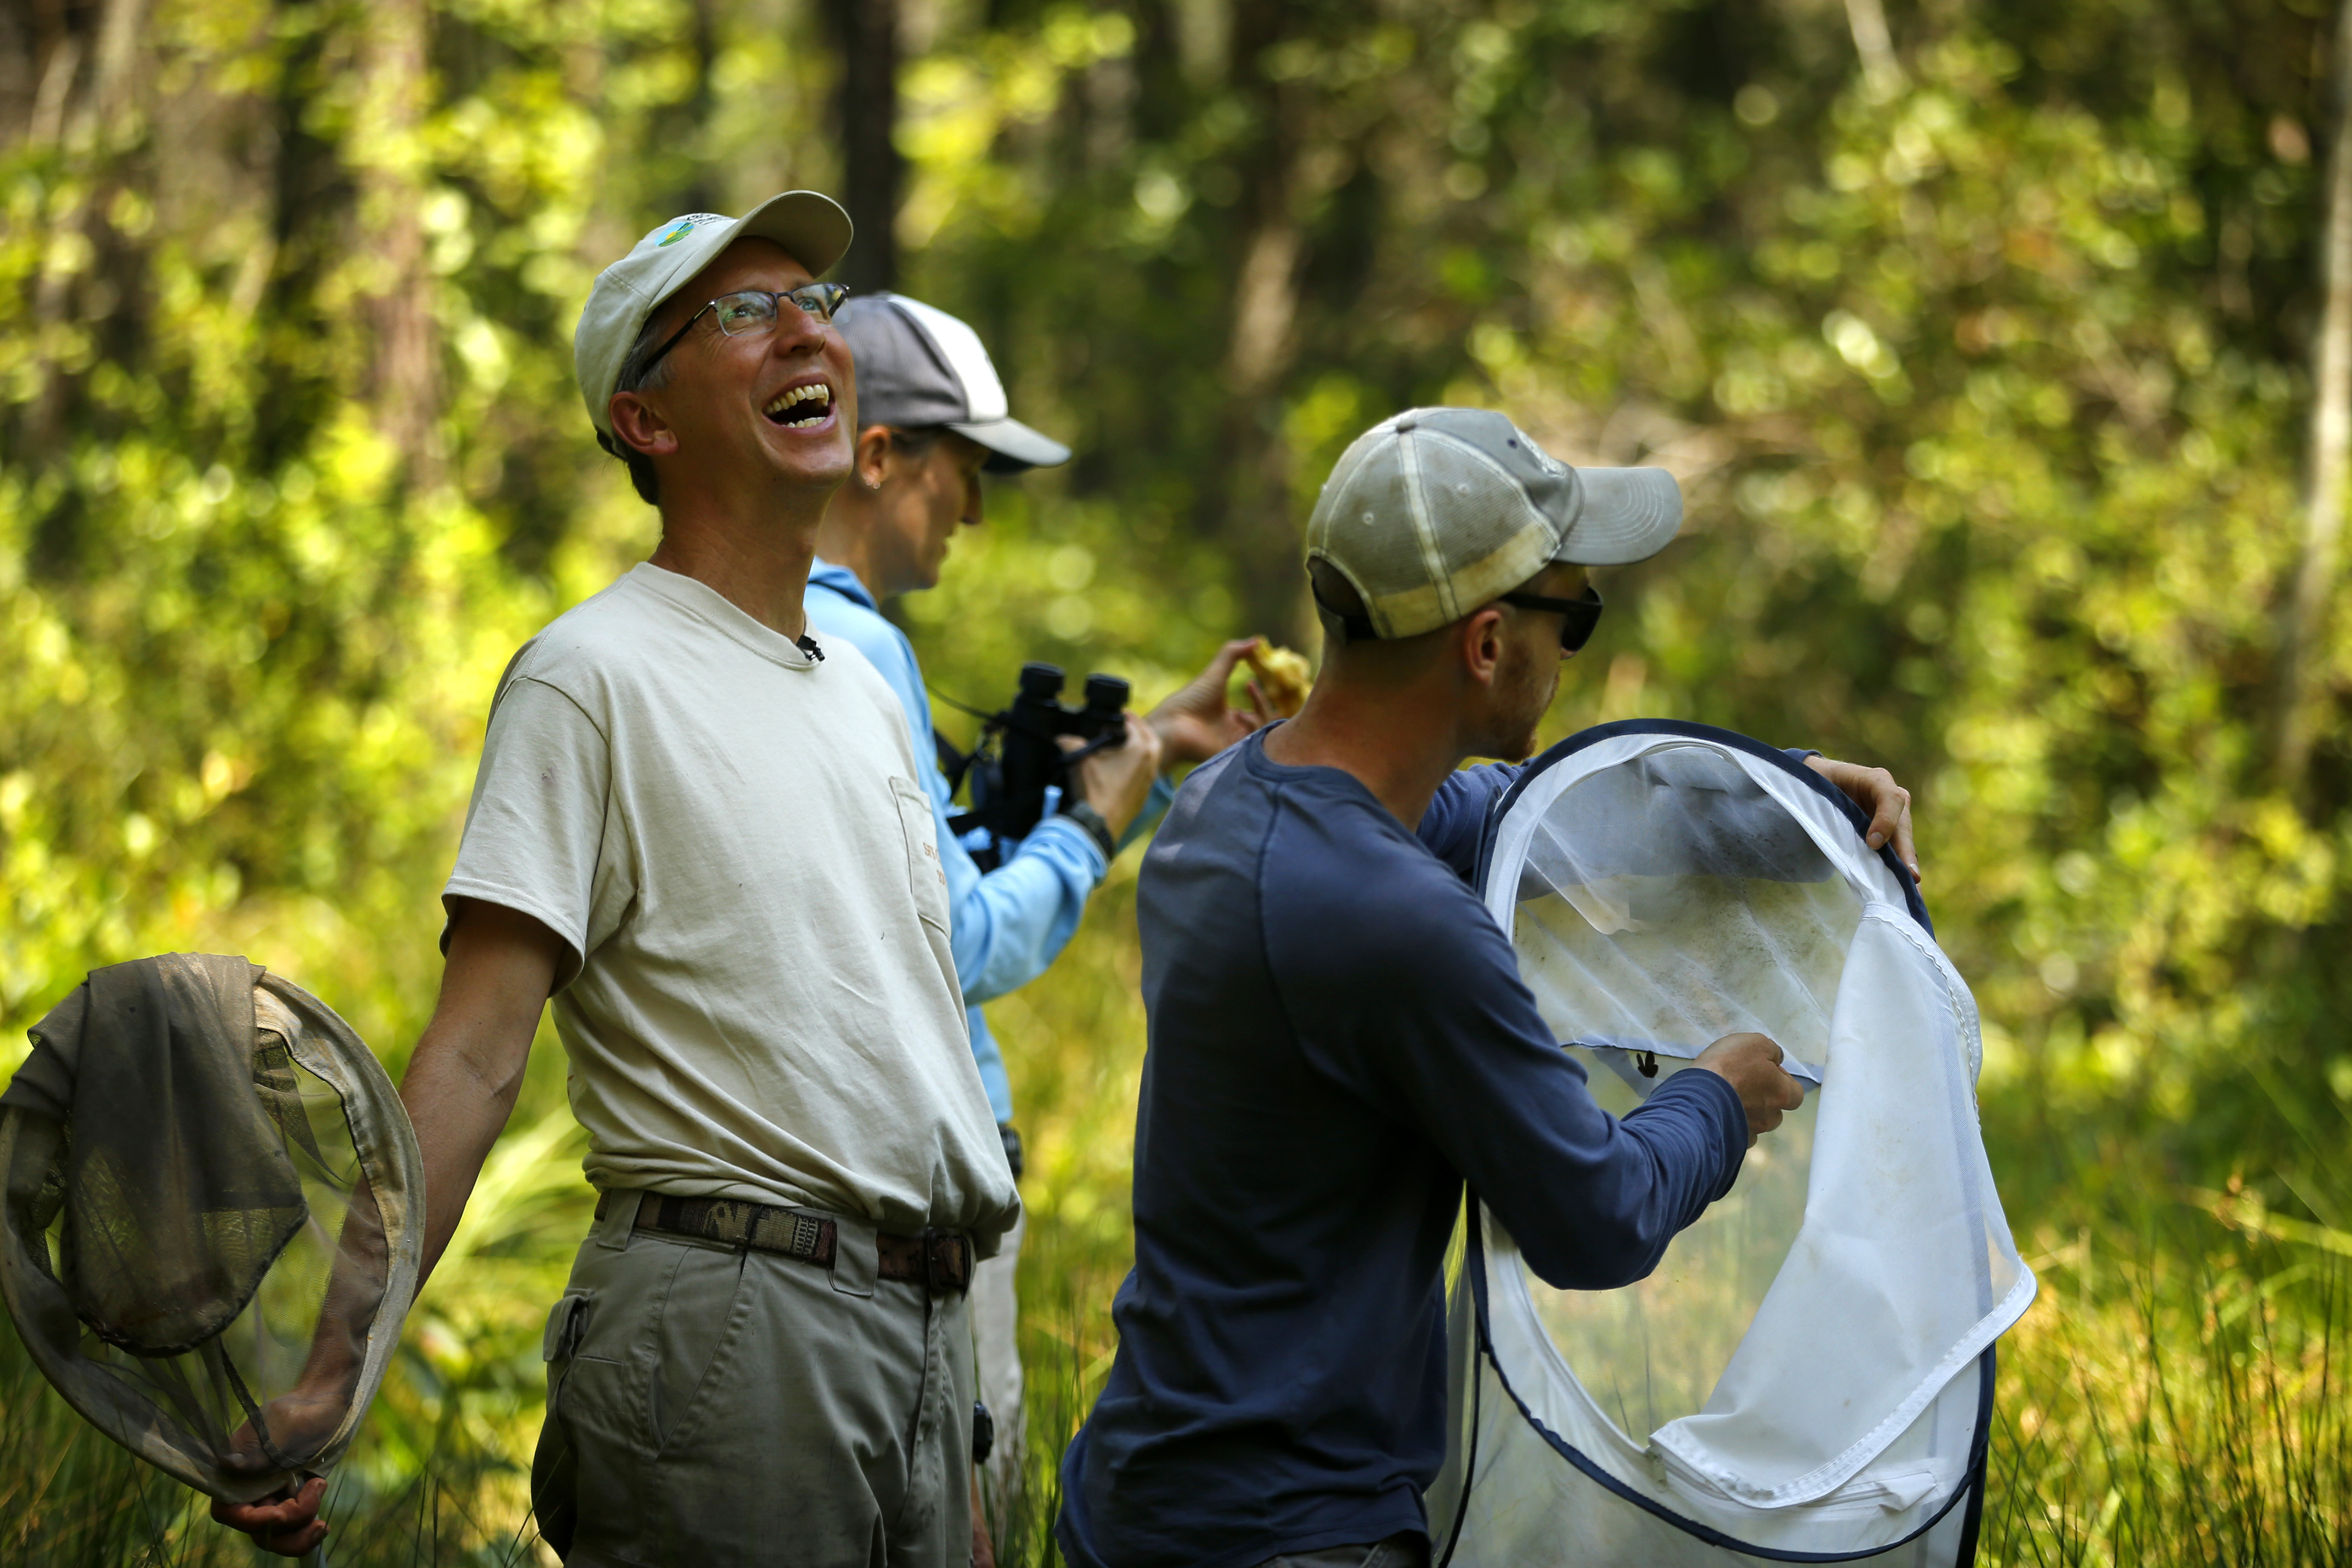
(937, 1254)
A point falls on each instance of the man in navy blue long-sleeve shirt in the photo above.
(1340, 1039)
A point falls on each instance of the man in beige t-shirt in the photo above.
(699, 830)
(755, 989)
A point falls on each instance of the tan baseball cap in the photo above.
(812, 227)
(1436, 512)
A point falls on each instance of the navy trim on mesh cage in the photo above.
(1971, 1488)
(1690, 731)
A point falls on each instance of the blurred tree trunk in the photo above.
(1881, 72)
(679, 133)
(2303, 639)
(1249, 496)
(402, 385)
(81, 62)
(866, 111)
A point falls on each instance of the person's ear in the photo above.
(1481, 645)
(639, 424)
(873, 456)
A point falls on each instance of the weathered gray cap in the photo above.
(1436, 512)
(813, 228)
(921, 368)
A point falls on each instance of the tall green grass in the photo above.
(2175, 1396)
(2178, 1398)
(69, 1498)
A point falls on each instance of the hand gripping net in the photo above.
(212, 1221)
(1807, 1374)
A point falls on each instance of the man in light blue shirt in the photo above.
(932, 417)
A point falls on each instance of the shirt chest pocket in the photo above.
(927, 878)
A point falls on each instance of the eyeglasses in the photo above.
(1577, 616)
(754, 311)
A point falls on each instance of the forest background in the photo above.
(1995, 344)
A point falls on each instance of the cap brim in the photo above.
(813, 228)
(1011, 446)
(1628, 515)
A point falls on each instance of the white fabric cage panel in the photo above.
(1807, 1374)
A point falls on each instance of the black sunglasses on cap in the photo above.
(1577, 616)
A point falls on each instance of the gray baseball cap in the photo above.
(919, 367)
(812, 229)
(1436, 512)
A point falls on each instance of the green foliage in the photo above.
(1985, 380)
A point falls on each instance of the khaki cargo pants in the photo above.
(713, 1405)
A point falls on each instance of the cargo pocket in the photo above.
(597, 1449)
(702, 1318)
(927, 878)
(555, 1465)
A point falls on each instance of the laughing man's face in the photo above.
(757, 406)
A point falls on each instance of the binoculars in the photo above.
(1019, 754)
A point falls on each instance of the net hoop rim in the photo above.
(1803, 794)
(1970, 1487)
(1680, 729)
(386, 1147)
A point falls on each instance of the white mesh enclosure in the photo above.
(1807, 1374)
(213, 1219)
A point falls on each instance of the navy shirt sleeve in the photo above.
(1402, 992)
(1456, 819)
(1339, 1038)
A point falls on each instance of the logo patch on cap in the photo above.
(685, 226)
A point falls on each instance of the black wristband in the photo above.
(1087, 818)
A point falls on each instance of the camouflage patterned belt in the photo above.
(940, 1260)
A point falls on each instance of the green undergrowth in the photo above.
(2176, 1395)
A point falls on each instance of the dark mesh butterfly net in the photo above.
(211, 1228)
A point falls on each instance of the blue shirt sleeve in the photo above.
(1005, 926)
(989, 1057)
(1401, 989)
(1457, 817)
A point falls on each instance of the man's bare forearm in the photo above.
(460, 1089)
(458, 1103)
(461, 1084)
